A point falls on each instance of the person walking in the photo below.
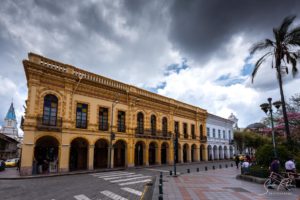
(237, 161)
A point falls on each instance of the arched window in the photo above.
(164, 126)
(140, 123)
(50, 110)
(153, 125)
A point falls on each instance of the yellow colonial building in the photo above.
(77, 120)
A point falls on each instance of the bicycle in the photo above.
(279, 181)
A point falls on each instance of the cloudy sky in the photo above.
(195, 51)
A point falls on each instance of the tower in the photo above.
(233, 118)
(10, 123)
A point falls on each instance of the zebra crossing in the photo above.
(121, 178)
(118, 177)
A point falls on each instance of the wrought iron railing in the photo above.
(103, 126)
(203, 138)
(46, 123)
(148, 133)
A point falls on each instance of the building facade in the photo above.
(77, 120)
(220, 143)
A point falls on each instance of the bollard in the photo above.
(205, 168)
(160, 197)
(197, 169)
(226, 165)
(188, 170)
(231, 165)
(213, 167)
(171, 172)
(160, 181)
(220, 166)
(160, 189)
(161, 175)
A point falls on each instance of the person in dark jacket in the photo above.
(237, 161)
(274, 166)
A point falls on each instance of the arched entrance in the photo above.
(215, 153)
(100, 154)
(152, 153)
(209, 152)
(119, 153)
(225, 152)
(220, 152)
(193, 153)
(46, 155)
(139, 153)
(164, 153)
(78, 154)
(185, 152)
(231, 151)
(202, 149)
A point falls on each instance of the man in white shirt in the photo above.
(245, 167)
(290, 166)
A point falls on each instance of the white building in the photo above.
(220, 137)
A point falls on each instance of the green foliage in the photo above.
(259, 171)
(264, 154)
(250, 140)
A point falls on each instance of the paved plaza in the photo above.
(219, 184)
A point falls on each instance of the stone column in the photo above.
(158, 155)
(130, 156)
(64, 158)
(146, 154)
(112, 157)
(197, 154)
(189, 152)
(181, 155)
(170, 154)
(27, 159)
(91, 157)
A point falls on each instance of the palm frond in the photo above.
(287, 21)
(261, 45)
(294, 32)
(294, 67)
(258, 64)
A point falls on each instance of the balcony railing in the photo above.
(49, 123)
(231, 142)
(148, 133)
(203, 138)
(121, 128)
(104, 126)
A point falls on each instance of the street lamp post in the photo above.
(112, 135)
(268, 107)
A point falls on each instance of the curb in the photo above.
(250, 178)
(59, 174)
(148, 190)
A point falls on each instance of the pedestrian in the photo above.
(237, 161)
(274, 166)
(290, 165)
(245, 167)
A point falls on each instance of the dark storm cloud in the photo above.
(201, 28)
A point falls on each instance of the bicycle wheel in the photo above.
(268, 184)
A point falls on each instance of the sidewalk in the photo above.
(219, 184)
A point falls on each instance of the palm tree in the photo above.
(284, 49)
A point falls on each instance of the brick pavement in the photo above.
(219, 184)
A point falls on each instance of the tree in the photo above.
(284, 49)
